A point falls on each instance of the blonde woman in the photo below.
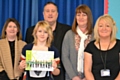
(43, 37)
(102, 54)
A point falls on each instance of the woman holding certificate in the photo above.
(43, 37)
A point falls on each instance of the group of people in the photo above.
(85, 53)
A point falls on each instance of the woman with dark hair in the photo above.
(75, 41)
(11, 45)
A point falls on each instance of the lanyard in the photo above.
(104, 60)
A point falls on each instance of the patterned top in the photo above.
(78, 38)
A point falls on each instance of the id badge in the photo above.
(105, 72)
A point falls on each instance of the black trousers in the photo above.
(3, 76)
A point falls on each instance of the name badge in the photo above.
(105, 72)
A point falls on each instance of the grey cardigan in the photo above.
(69, 55)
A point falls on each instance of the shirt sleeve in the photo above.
(89, 47)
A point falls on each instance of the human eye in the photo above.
(47, 10)
(53, 10)
(39, 31)
(78, 14)
(9, 26)
(107, 25)
(84, 14)
(15, 26)
(45, 32)
(100, 25)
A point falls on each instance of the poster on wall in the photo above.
(112, 7)
(39, 60)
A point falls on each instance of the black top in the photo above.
(112, 60)
(29, 47)
(12, 50)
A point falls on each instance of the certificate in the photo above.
(39, 60)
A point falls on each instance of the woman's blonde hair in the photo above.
(19, 34)
(47, 28)
(110, 21)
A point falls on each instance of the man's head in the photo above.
(50, 12)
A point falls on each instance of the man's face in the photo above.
(50, 13)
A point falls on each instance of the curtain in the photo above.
(29, 12)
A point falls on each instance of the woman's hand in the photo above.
(55, 71)
(54, 64)
(76, 78)
(83, 79)
(22, 64)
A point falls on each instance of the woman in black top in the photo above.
(102, 55)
